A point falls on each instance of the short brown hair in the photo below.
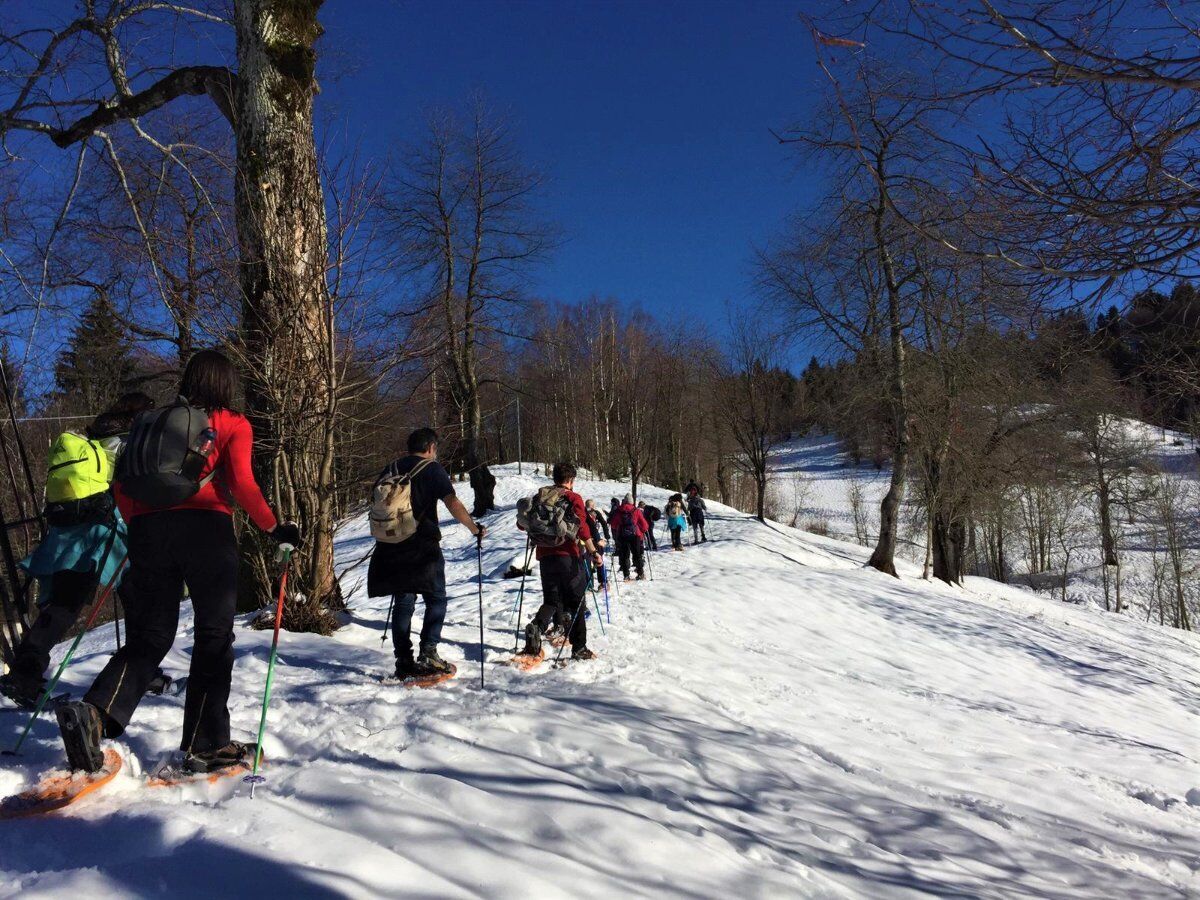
(209, 381)
(563, 472)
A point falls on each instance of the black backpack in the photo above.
(628, 525)
(167, 450)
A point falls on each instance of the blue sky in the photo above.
(651, 120)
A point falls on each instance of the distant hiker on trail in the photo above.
(557, 523)
(692, 486)
(629, 527)
(84, 546)
(613, 506)
(598, 525)
(597, 520)
(696, 512)
(676, 521)
(408, 559)
(652, 514)
(180, 535)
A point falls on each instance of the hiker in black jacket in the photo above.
(598, 521)
(696, 511)
(416, 565)
(652, 514)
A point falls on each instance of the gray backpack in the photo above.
(167, 450)
(548, 517)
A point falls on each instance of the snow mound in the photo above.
(766, 719)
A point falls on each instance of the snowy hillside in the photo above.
(766, 719)
(814, 484)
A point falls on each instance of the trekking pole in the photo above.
(521, 595)
(387, 621)
(62, 666)
(649, 566)
(479, 564)
(253, 779)
(117, 617)
(524, 569)
(607, 610)
(575, 618)
(588, 567)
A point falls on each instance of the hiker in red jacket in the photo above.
(564, 578)
(629, 528)
(184, 542)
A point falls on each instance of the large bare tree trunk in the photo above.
(883, 557)
(286, 316)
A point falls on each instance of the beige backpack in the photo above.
(391, 515)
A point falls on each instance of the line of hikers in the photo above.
(142, 505)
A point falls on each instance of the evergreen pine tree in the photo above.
(97, 364)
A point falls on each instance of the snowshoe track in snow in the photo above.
(766, 719)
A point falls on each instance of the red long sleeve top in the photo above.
(234, 482)
(617, 519)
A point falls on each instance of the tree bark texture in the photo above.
(287, 327)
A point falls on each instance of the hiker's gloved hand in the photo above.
(287, 533)
(481, 530)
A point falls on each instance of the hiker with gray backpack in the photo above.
(558, 525)
(183, 468)
(407, 559)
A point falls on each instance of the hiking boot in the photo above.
(641, 576)
(406, 667)
(429, 663)
(82, 729)
(159, 683)
(533, 640)
(22, 690)
(232, 754)
(582, 653)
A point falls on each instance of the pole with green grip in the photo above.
(62, 666)
(254, 779)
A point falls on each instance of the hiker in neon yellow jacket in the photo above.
(84, 546)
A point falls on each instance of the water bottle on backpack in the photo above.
(198, 458)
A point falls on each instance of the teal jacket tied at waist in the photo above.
(78, 548)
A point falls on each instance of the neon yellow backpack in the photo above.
(77, 468)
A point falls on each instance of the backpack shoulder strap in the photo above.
(416, 470)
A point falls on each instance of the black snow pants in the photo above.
(69, 593)
(167, 550)
(634, 548)
(564, 593)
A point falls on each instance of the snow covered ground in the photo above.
(814, 483)
(766, 719)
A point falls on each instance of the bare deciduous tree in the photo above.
(463, 220)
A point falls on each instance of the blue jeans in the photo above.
(431, 626)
